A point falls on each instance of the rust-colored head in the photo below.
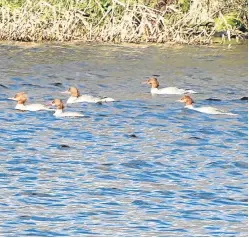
(153, 82)
(74, 92)
(187, 100)
(21, 97)
(58, 103)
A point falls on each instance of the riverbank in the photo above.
(164, 21)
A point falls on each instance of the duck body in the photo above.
(210, 110)
(60, 113)
(170, 90)
(32, 107)
(77, 98)
(89, 99)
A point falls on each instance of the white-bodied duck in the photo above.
(59, 110)
(76, 97)
(21, 99)
(169, 90)
(188, 101)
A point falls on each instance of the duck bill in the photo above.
(146, 82)
(65, 92)
(49, 104)
(13, 99)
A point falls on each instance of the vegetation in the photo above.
(180, 21)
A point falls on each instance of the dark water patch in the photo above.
(3, 175)
(110, 191)
(103, 85)
(239, 200)
(107, 177)
(140, 203)
(63, 146)
(47, 218)
(69, 79)
(57, 84)
(136, 164)
(37, 232)
(87, 214)
(206, 79)
(25, 217)
(31, 85)
(219, 164)
(52, 76)
(244, 98)
(235, 173)
(195, 138)
(213, 99)
(3, 86)
(132, 136)
(80, 232)
(241, 165)
(197, 195)
(102, 115)
(229, 201)
(108, 164)
(36, 194)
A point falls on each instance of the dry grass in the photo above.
(118, 21)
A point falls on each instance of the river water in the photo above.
(141, 166)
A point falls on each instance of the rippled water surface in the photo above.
(141, 166)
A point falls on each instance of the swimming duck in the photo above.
(169, 90)
(76, 97)
(59, 110)
(209, 110)
(21, 98)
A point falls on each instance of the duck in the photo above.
(76, 97)
(60, 107)
(209, 110)
(169, 90)
(21, 99)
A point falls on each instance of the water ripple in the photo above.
(142, 166)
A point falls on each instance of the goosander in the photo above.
(76, 97)
(169, 90)
(59, 110)
(209, 110)
(21, 98)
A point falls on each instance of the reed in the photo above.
(178, 21)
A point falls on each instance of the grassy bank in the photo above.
(179, 21)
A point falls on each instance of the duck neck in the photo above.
(21, 102)
(155, 85)
(20, 106)
(60, 108)
(154, 90)
(189, 105)
(75, 94)
(58, 111)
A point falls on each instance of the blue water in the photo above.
(142, 166)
